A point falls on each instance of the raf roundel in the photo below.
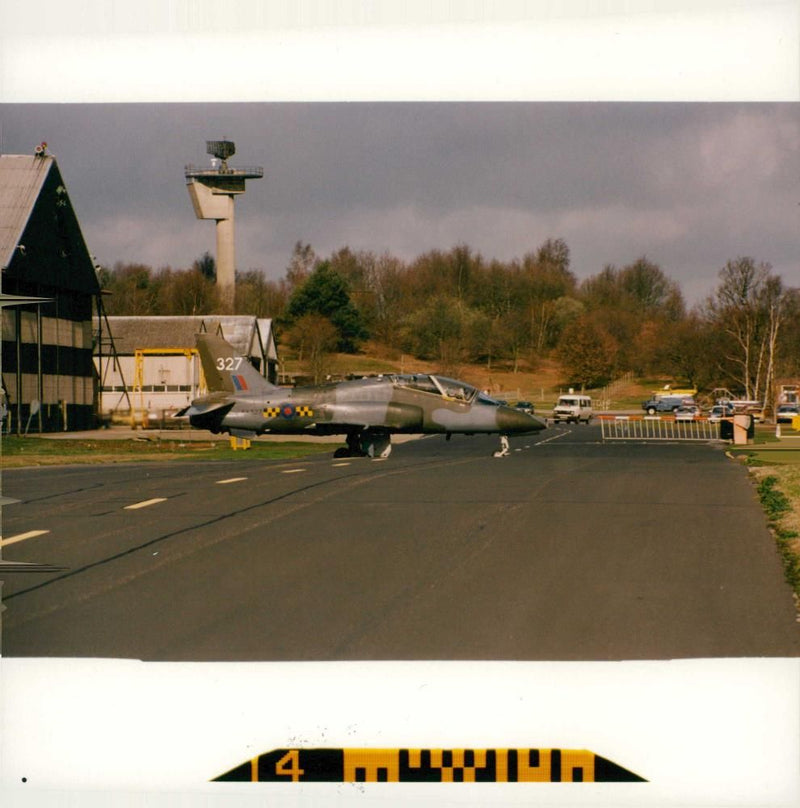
(287, 411)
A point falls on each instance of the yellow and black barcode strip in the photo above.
(430, 766)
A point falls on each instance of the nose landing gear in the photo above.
(503, 450)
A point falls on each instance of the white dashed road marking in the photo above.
(31, 534)
(231, 480)
(145, 504)
(552, 437)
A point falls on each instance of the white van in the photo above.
(573, 408)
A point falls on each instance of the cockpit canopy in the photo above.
(445, 387)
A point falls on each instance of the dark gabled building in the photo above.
(46, 347)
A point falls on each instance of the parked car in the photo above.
(665, 404)
(525, 406)
(687, 412)
(720, 411)
(786, 412)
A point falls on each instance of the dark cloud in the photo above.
(689, 185)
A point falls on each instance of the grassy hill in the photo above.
(541, 384)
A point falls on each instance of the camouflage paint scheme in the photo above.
(367, 411)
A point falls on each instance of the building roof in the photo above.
(21, 180)
(42, 249)
(250, 336)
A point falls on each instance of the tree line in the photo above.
(454, 307)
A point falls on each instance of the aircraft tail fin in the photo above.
(226, 372)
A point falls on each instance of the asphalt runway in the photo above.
(568, 549)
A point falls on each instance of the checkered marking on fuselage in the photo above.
(289, 411)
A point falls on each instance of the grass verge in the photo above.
(777, 476)
(778, 508)
(30, 451)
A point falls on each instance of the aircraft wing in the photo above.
(370, 414)
(206, 404)
(207, 412)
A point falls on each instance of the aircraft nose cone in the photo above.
(511, 421)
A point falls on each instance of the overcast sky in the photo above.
(398, 160)
(690, 186)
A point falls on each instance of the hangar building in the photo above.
(47, 368)
(157, 369)
(65, 365)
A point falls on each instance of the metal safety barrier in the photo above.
(632, 427)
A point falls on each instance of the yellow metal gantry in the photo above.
(138, 378)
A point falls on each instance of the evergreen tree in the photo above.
(206, 265)
(325, 293)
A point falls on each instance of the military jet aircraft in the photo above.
(366, 411)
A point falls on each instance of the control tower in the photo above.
(212, 191)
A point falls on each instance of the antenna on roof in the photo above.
(222, 150)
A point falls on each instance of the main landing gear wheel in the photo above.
(366, 444)
(353, 448)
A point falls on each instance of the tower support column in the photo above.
(226, 262)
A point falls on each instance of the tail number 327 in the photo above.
(228, 362)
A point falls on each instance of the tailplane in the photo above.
(226, 372)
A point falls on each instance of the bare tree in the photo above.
(300, 265)
(314, 337)
(187, 292)
(748, 307)
(258, 296)
(588, 352)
